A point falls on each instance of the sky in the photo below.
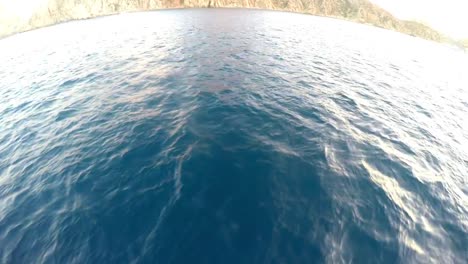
(19, 8)
(447, 16)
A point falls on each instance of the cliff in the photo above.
(48, 12)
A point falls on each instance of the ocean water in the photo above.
(231, 136)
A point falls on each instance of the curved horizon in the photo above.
(15, 18)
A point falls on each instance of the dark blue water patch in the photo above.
(347, 103)
(65, 114)
(228, 211)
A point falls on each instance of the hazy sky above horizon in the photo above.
(448, 16)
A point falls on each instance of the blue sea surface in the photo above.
(231, 136)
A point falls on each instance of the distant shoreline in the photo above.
(410, 28)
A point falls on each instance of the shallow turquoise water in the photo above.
(231, 136)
